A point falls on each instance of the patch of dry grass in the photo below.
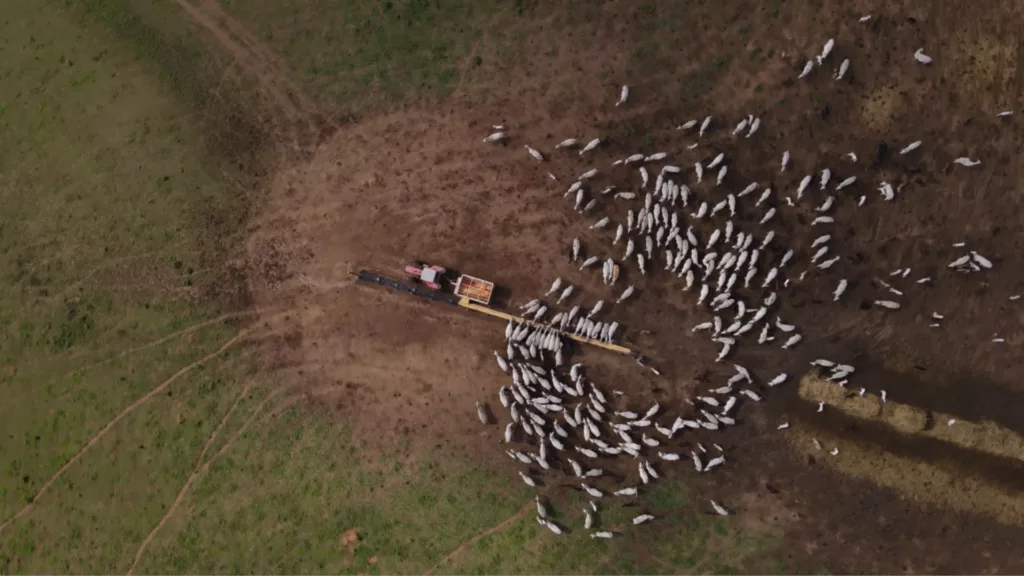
(880, 108)
(987, 67)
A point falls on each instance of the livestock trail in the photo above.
(283, 102)
(698, 224)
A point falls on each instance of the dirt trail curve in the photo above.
(492, 530)
(113, 422)
(289, 107)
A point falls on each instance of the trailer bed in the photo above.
(474, 289)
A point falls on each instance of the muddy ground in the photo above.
(416, 183)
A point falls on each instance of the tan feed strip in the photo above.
(983, 436)
(917, 480)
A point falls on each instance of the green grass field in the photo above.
(112, 170)
(355, 56)
(358, 55)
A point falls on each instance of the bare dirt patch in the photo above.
(417, 184)
(349, 540)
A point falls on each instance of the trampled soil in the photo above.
(418, 184)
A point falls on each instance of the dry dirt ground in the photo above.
(416, 183)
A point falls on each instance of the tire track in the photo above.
(201, 466)
(473, 540)
(173, 335)
(103, 432)
(285, 98)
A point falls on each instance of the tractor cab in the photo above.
(430, 275)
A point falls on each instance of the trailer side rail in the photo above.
(476, 289)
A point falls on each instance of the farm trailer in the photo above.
(469, 288)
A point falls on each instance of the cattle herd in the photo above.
(684, 218)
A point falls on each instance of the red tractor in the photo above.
(430, 275)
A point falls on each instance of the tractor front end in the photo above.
(432, 276)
